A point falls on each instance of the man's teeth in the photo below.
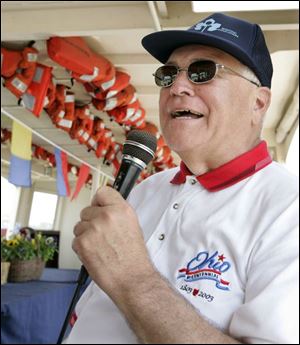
(186, 113)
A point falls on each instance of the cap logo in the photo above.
(211, 25)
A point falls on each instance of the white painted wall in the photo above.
(69, 216)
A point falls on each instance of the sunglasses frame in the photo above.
(218, 67)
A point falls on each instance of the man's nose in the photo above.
(182, 86)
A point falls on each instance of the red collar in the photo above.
(231, 172)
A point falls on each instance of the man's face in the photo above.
(225, 103)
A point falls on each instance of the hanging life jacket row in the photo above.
(110, 89)
(78, 121)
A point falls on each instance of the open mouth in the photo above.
(186, 113)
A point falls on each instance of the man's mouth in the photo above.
(186, 113)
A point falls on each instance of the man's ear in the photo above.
(261, 104)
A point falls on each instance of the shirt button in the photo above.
(161, 237)
(176, 206)
(193, 181)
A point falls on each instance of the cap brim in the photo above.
(161, 45)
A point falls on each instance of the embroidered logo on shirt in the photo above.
(206, 267)
(196, 292)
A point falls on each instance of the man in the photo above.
(212, 256)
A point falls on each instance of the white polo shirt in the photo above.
(232, 252)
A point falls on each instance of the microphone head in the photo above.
(141, 145)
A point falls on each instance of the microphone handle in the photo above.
(127, 175)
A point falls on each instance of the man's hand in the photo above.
(109, 242)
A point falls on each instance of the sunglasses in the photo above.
(198, 72)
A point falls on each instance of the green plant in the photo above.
(6, 251)
(23, 247)
(45, 247)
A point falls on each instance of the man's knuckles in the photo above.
(106, 196)
(78, 229)
(85, 242)
(90, 213)
(106, 214)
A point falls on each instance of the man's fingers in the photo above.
(80, 228)
(106, 196)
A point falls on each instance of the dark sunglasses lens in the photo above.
(201, 71)
(165, 75)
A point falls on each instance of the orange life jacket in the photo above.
(22, 78)
(10, 60)
(121, 82)
(96, 90)
(34, 97)
(163, 158)
(161, 142)
(56, 110)
(39, 152)
(50, 96)
(117, 163)
(114, 157)
(124, 97)
(121, 114)
(104, 145)
(97, 134)
(74, 54)
(84, 130)
(168, 164)
(66, 121)
(136, 120)
(107, 80)
(112, 153)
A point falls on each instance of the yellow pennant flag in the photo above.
(21, 141)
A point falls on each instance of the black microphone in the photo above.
(139, 149)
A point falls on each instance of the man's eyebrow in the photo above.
(210, 58)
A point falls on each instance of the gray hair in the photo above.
(248, 73)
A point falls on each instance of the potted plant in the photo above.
(28, 255)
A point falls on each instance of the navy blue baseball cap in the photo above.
(243, 40)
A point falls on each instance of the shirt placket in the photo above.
(171, 217)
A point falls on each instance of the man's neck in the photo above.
(202, 161)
